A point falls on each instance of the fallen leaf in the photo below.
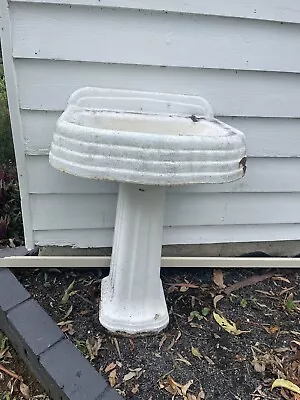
(162, 341)
(110, 367)
(205, 311)
(209, 360)
(171, 344)
(218, 278)
(68, 293)
(186, 387)
(66, 327)
(187, 285)
(68, 312)
(116, 343)
(280, 278)
(112, 378)
(240, 358)
(201, 394)
(193, 315)
(228, 326)
(93, 346)
(217, 299)
(272, 329)
(284, 383)
(183, 289)
(24, 389)
(196, 352)
(178, 336)
(135, 389)
(134, 373)
(182, 359)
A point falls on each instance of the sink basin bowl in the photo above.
(145, 138)
(145, 141)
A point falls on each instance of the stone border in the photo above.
(61, 369)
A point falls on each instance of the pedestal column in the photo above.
(132, 298)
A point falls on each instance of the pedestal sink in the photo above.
(147, 142)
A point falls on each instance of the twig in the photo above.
(248, 282)
(10, 373)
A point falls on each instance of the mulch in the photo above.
(223, 342)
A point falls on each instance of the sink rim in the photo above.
(128, 157)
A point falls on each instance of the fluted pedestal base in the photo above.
(132, 298)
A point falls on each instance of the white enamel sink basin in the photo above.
(145, 138)
(145, 141)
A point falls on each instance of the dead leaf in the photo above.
(24, 389)
(112, 378)
(186, 387)
(135, 389)
(295, 333)
(193, 315)
(248, 282)
(116, 343)
(93, 346)
(240, 358)
(284, 383)
(228, 326)
(196, 352)
(280, 278)
(131, 344)
(183, 289)
(162, 341)
(110, 367)
(134, 373)
(218, 278)
(187, 285)
(217, 299)
(272, 329)
(178, 336)
(201, 395)
(68, 293)
(171, 344)
(66, 327)
(209, 360)
(182, 359)
(68, 312)
(175, 388)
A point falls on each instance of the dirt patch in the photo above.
(195, 357)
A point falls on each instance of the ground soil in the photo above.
(16, 383)
(194, 350)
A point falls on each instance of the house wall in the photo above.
(243, 58)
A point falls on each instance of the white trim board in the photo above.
(275, 10)
(175, 262)
(16, 124)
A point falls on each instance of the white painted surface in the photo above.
(188, 40)
(264, 104)
(145, 138)
(132, 296)
(264, 135)
(175, 262)
(289, 11)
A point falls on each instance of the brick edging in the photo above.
(59, 366)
